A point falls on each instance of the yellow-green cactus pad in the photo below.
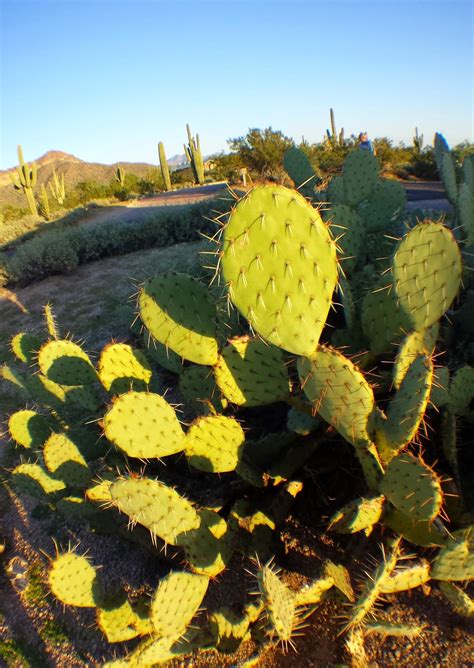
(340, 577)
(176, 601)
(406, 409)
(357, 515)
(178, 312)
(64, 460)
(156, 506)
(279, 263)
(455, 561)
(249, 372)
(426, 273)
(122, 368)
(32, 479)
(280, 602)
(407, 578)
(65, 362)
(418, 532)
(29, 428)
(73, 580)
(314, 591)
(338, 392)
(462, 603)
(214, 444)
(100, 492)
(209, 548)
(25, 347)
(412, 487)
(415, 344)
(120, 623)
(144, 425)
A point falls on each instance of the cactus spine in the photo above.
(165, 172)
(194, 156)
(25, 180)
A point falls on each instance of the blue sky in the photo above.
(106, 80)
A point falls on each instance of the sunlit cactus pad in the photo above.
(122, 368)
(249, 372)
(28, 428)
(338, 392)
(63, 459)
(178, 312)
(214, 443)
(426, 272)
(73, 580)
(357, 515)
(176, 601)
(120, 623)
(412, 487)
(455, 562)
(156, 506)
(415, 344)
(65, 362)
(279, 603)
(279, 261)
(34, 480)
(144, 425)
(25, 346)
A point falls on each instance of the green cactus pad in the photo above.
(65, 362)
(176, 601)
(383, 321)
(155, 652)
(120, 623)
(335, 191)
(465, 207)
(387, 201)
(360, 176)
(296, 163)
(455, 561)
(462, 603)
(415, 344)
(279, 263)
(228, 629)
(214, 444)
(348, 226)
(144, 425)
(28, 428)
(209, 548)
(164, 356)
(407, 578)
(251, 373)
(156, 506)
(461, 391)
(64, 460)
(313, 592)
(301, 423)
(74, 507)
(73, 580)
(423, 533)
(439, 390)
(426, 272)
(178, 312)
(25, 347)
(198, 386)
(448, 176)
(32, 479)
(122, 368)
(412, 487)
(357, 515)
(406, 409)
(280, 602)
(338, 392)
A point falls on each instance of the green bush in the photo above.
(61, 251)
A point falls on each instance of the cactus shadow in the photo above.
(189, 319)
(71, 370)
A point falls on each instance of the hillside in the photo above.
(74, 170)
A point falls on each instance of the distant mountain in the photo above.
(74, 170)
(176, 160)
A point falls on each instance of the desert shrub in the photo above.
(62, 250)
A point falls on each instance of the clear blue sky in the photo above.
(106, 80)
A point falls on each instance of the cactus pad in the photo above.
(462, 603)
(32, 479)
(73, 580)
(144, 425)
(279, 263)
(25, 347)
(455, 561)
(357, 515)
(64, 460)
(164, 356)
(461, 390)
(338, 392)
(179, 313)
(415, 344)
(280, 602)
(28, 428)
(214, 444)
(251, 373)
(120, 623)
(156, 506)
(198, 387)
(412, 487)
(387, 200)
(360, 176)
(407, 578)
(176, 601)
(349, 227)
(122, 368)
(65, 362)
(296, 163)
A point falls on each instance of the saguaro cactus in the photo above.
(194, 156)
(57, 188)
(120, 176)
(165, 172)
(25, 180)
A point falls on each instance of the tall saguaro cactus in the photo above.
(25, 180)
(332, 137)
(165, 172)
(194, 156)
(57, 187)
